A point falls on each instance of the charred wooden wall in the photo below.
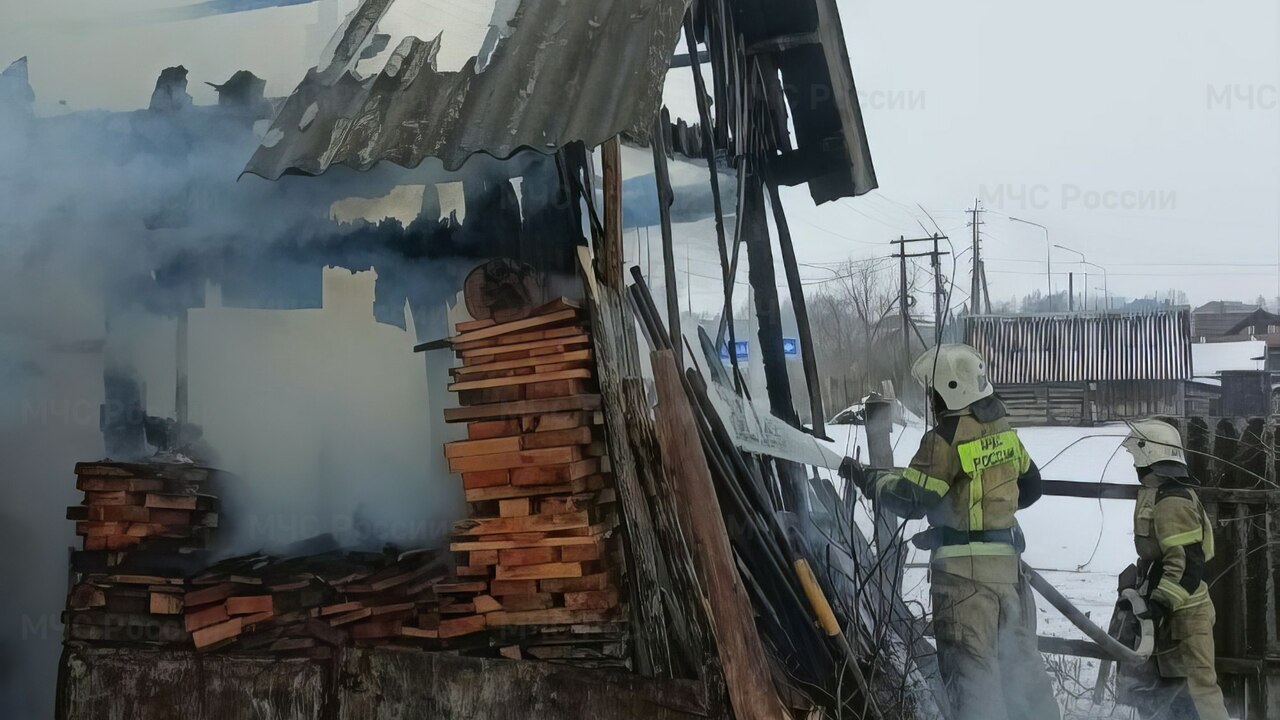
(135, 684)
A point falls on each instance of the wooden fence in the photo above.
(1236, 461)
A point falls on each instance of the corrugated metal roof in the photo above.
(1075, 348)
(566, 72)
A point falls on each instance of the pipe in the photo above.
(1109, 645)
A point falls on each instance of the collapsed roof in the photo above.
(553, 73)
(610, 56)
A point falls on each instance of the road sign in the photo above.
(790, 346)
(741, 350)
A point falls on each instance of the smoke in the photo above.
(302, 377)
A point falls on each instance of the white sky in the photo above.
(1055, 107)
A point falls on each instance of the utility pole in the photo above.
(903, 310)
(1071, 292)
(939, 295)
(978, 277)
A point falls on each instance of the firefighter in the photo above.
(968, 478)
(1174, 540)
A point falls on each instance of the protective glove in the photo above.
(1155, 612)
(856, 473)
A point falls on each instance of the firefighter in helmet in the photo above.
(1174, 540)
(968, 478)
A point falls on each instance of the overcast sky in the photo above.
(1144, 134)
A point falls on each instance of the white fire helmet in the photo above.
(958, 373)
(1151, 441)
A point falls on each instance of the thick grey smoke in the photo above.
(110, 225)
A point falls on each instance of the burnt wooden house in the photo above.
(741, 589)
(1080, 369)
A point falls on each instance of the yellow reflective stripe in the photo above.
(1175, 592)
(932, 484)
(1182, 538)
(974, 549)
(975, 502)
(978, 455)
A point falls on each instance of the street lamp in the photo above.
(1084, 261)
(1048, 261)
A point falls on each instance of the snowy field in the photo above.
(1079, 545)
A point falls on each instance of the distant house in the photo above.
(1082, 368)
(1226, 377)
(1213, 321)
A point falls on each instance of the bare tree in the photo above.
(856, 328)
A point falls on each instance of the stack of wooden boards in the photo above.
(309, 605)
(144, 527)
(537, 562)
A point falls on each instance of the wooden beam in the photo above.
(610, 258)
(662, 177)
(742, 654)
(1116, 491)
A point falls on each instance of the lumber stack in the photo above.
(536, 559)
(307, 606)
(128, 506)
(143, 526)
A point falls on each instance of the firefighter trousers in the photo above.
(1179, 682)
(987, 653)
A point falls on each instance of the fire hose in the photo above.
(1112, 647)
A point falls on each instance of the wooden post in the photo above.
(611, 257)
(751, 691)
(663, 180)
(879, 415)
(807, 353)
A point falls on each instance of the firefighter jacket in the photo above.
(968, 478)
(1173, 536)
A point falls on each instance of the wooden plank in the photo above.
(523, 407)
(211, 594)
(485, 479)
(595, 581)
(166, 604)
(741, 651)
(514, 557)
(472, 325)
(507, 328)
(216, 633)
(555, 474)
(530, 379)
(592, 599)
(489, 446)
(515, 507)
(523, 337)
(561, 344)
(486, 604)
(528, 601)
(486, 429)
(556, 438)
(457, 627)
(564, 357)
(1116, 491)
(555, 388)
(480, 545)
(531, 523)
(546, 456)
(554, 616)
(518, 491)
(544, 571)
(558, 421)
(502, 588)
(249, 604)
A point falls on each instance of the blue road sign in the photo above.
(790, 346)
(740, 347)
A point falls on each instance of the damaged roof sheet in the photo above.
(556, 72)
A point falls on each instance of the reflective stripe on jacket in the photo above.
(1173, 535)
(965, 476)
